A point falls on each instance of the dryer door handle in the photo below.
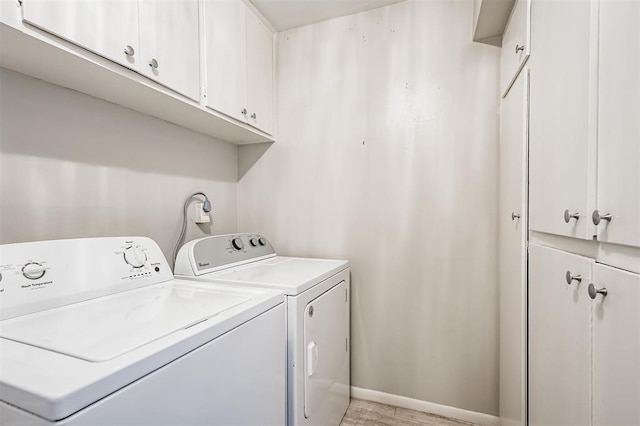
(312, 358)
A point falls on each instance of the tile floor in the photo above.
(367, 413)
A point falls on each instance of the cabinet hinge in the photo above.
(346, 344)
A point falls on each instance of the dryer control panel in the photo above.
(219, 252)
(47, 274)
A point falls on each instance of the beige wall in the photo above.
(387, 156)
(75, 166)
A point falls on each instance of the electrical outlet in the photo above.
(201, 216)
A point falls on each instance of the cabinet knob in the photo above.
(244, 111)
(515, 215)
(593, 291)
(254, 116)
(570, 278)
(153, 64)
(597, 217)
(519, 48)
(568, 216)
(129, 51)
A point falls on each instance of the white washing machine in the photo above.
(98, 332)
(317, 305)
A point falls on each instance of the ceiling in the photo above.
(287, 14)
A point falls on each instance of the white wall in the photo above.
(387, 156)
(75, 166)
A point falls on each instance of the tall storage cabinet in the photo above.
(239, 63)
(584, 186)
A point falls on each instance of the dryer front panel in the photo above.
(326, 356)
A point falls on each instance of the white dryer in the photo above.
(98, 332)
(317, 305)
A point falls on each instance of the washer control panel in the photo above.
(218, 252)
(47, 274)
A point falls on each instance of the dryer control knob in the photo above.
(33, 270)
(135, 257)
(237, 243)
(254, 242)
(262, 241)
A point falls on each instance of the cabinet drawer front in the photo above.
(619, 122)
(560, 118)
(616, 347)
(516, 45)
(104, 27)
(559, 338)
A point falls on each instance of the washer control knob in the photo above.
(254, 242)
(262, 241)
(33, 271)
(135, 257)
(237, 243)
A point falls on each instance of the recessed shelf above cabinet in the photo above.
(33, 52)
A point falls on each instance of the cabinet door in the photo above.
(559, 338)
(616, 348)
(512, 229)
(259, 73)
(226, 57)
(169, 44)
(515, 44)
(619, 122)
(561, 117)
(106, 27)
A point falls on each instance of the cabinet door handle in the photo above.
(597, 217)
(244, 111)
(519, 48)
(129, 51)
(153, 64)
(593, 291)
(568, 216)
(515, 215)
(570, 278)
(254, 116)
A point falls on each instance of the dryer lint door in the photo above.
(326, 369)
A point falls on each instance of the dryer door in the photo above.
(326, 361)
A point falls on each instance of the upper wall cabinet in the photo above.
(618, 196)
(239, 63)
(516, 44)
(107, 28)
(169, 44)
(561, 118)
(156, 38)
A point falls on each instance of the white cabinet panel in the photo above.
(512, 228)
(516, 44)
(616, 348)
(559, 338)
(169, 43)
(239, 62)
(105, 27)
(259, 73)
(562, 72)
(226, 63)
(619, 122)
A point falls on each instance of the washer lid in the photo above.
(107, 327)
(292, 275)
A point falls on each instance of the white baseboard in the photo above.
(429, 407)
